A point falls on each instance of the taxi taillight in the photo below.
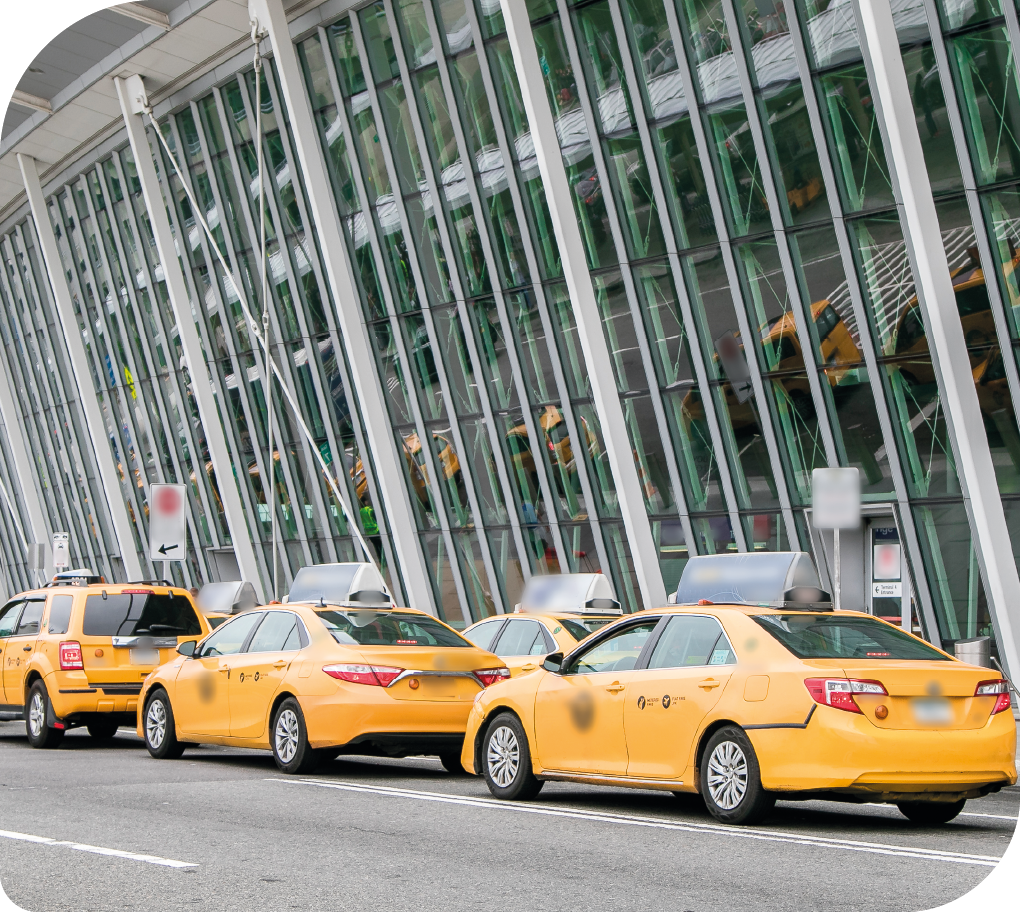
(378, 675)
(489, 676)
(998, 689)
(70, 656)
(839, 692)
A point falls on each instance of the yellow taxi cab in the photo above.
(338, 669)
(758, 693)
(75, 652)
(555, 613)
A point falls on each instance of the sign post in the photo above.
(168, 524)
(61, 551)
(836, 504)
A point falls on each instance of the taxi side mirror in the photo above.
(553, 662)
(187, 648)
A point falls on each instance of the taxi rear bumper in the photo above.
(72, 697)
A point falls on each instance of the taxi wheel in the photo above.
(451, 763)
(731, 779)
(39, 733)
(102, 729)
(291, 750)
(506, 760)
(160, 730)
(930, 813)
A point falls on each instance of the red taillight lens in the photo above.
(839, 692)
(489, 676)
(998, 689)
(70, 656)
(378, 675)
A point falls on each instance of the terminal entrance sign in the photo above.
(168, 526)
(61, 551)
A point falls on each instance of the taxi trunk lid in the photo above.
(446, 675)
(921, 695)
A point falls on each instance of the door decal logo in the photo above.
(640, 702)
(665, 702)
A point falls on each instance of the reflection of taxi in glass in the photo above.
(218, 601)
(75, 652)
(318, 677)
(561, 610)
(770, 694)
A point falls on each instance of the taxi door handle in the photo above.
(26, 648)
(615, 687)
(279, 664)
(224, 669)
(708, 683)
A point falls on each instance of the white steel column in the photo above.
(942, 321)
(344, 289)
(79, 364)
(191, 344)
(582, 296)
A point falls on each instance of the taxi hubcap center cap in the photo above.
(727, 775)
(287, 735)
(504, 756)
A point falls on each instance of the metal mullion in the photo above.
(542, 306)
(1012, 28)
(844, 243)
(462, 309)
(412, 253)
(112, 394)
(173, 373)
(61, 458)
(779, 229)
(726, 248)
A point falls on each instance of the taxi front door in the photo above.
(687, 672)
(579, 723)
(201, 704)
(256, 673)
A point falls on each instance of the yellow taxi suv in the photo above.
(310, 680)
(556, 612)
(75, 652)
(760, 693)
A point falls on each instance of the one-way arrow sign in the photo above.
(168, 527)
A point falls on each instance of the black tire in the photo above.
(37, 712)
(289, 740)
(730, 780)
(102, 729)
(506, 760)
(930, 813)
(451, 763)
(159, 728)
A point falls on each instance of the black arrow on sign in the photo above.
(164, 548)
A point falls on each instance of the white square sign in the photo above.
(168, 526)
(836, 498)
(61, 551)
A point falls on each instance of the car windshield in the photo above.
(825, 636)
(580, 627)
(385, 628)
(139, 614)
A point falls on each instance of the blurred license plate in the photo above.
(933, 711)
(144, 656)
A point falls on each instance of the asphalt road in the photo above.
(96, 828)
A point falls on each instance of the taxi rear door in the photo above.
(686, 673)
(9, 615)
(19, 648)
(256, 673)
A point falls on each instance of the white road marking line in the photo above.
(876, 848)
(890, 807)
(97, 850)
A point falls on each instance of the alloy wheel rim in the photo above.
(727, 775)
(36, 715)
(155, 723)
(287, 735)
(504, 756)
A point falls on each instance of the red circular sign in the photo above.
(168, 500)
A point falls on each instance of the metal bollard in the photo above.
(975, 651)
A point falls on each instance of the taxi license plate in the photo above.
(932, 711)
(144, 656)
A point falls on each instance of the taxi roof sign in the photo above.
(577, 593)
(357, 584)
(774, 579)
(228, 597)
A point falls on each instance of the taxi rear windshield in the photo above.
(370, 628)
(139, 614)
(813, 636)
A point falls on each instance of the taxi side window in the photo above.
(277, 630)
(228, 639)
(483, 634)
(618, 653)
(60, 613)
(30, 617)
(692, 641)
(9, 617)
(521, 638)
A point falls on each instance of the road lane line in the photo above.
(876, 848)
(97, 850)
